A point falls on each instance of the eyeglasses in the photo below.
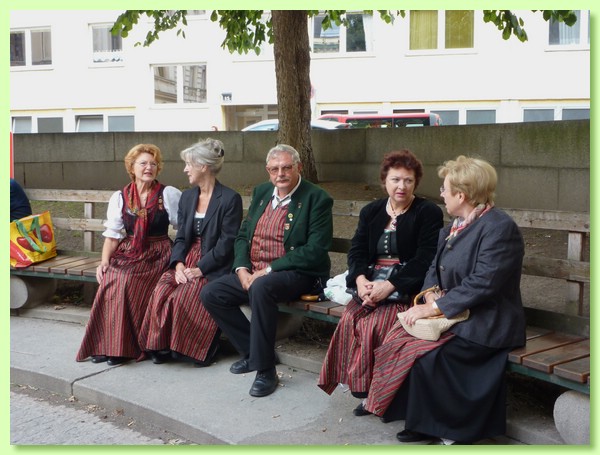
(274, 170)
(146, 163)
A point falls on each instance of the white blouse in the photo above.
(114, 218)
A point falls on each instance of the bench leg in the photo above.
(28, 291)
(572, 417)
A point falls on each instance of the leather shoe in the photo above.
(159, 357)
(265, 383)
(240, 367)
(99, 358)
(411, 436)
(112, 361)
(360, 410)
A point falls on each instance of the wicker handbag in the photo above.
(431, 328)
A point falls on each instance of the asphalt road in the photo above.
(38, 417)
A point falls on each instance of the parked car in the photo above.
(386, 120)
(273, 125)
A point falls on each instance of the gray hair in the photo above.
(284, 148)
(207, 152)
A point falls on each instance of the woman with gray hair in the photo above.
(176, 323)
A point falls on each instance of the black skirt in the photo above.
(457, 391)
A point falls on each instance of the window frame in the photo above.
(368, 24)
(119, 53)
(441, 36)
(584, 35)
(28, 49)
(179, 87)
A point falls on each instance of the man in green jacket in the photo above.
(281, 252)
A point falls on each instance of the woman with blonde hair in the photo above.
(135, 254)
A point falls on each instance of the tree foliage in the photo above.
(246, 30)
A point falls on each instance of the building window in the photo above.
(50, 125)
(177, 84)
(448, 117)
(121, 123)
(538, 115)
(561, 34)
(481, 117)
(21, 125)
(89, 123)
(30, 48)
(356, 37)
(575, 114)
(433, 29)
(17, 49)
(106, 47)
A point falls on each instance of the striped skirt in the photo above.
(393, 361)
(349, 359)
(121, 301)
(176, 319)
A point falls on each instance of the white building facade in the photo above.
(68, 74)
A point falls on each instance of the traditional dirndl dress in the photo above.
(122, 297)
(349, 358)
(175, 319)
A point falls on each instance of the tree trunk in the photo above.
(292, 71)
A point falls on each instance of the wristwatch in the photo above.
(268, 270)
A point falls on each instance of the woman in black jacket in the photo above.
(391, 251)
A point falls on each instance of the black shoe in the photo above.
(99, 358)
(265, 383)
(112, 361)
(360, 410)
(210, 358)
(159, 357)
(240, 367)
(411, 436)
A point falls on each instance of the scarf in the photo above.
(459, 223)
(143, 215)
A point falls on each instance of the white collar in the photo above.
(277, 201)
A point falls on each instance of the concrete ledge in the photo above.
(572, 417)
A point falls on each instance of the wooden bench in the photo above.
(557, 348)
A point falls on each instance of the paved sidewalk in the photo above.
(210, 405)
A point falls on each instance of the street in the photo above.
(39, 417)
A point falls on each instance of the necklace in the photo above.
(401, 212)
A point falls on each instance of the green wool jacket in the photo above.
(308, 231)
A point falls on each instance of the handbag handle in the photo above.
(435, 289)
(35, 225)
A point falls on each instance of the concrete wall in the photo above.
(541, 165)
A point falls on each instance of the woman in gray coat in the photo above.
(454, 388)
(176, 323)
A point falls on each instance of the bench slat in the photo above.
(56, 261)
(565, 269)
(542, 343)
(576, 370)
(322, 307)
(547, 360)
(78, 267)
(337, 311)
(534, 332)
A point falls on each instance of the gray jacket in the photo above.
(480, 269)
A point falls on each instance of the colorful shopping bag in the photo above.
(32, 240)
